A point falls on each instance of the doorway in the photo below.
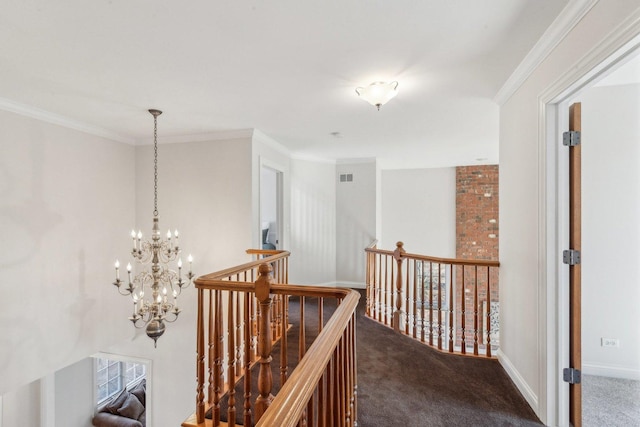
(611, 239)
(271, 207)
(611, 246)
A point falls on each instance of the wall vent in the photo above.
(346, 177)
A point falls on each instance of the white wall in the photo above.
(21, 406)
(70, 203)
(610, 229)
(74, 394)
(419, 209)
(355, 219)
(65, 195)
(523, 339)
(313, 222)
(204, 192)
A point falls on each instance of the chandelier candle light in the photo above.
(164, 284)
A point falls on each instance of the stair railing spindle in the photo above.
(475, 312)
(488, 319)
(398, 313)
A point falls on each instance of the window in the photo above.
(114, 375)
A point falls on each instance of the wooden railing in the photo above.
(449, 304)
(242, 312)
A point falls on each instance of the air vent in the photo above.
(346, 177)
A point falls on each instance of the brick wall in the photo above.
(477, 227)
(477, 212)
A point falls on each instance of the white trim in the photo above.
(573, 12)
(324, 284)
(0, 410)
(48, 401)
(343, 284)
(340, 284)
(553, 322)
(356, 161)
(59, 120)
(229, 135)
(56, 119)
(353, 285)
(313, 159)
(520, 382)
(610, 371)
(259, 136)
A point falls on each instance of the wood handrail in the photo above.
(453, 261)
(206, 279)
(288, 406)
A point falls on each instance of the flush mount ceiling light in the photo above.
(378, 93)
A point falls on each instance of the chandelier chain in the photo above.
(155, 165)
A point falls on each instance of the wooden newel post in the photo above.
(398, 313)
(265, 380)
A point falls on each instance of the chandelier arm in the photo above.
(175, 316)
(135, 320)
(126, 293)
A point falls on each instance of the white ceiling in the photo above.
(287, 67)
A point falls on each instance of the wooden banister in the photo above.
(447, 303)
(453, 261)
(292, 400)
(242, 312)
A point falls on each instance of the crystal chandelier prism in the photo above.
(155, 288)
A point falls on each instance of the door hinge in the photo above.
(571, 138)
(571, 257)
(571, 375)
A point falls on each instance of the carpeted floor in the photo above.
(611, 402)
(404, 383)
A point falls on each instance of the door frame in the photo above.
(553, 226)
(280, 220)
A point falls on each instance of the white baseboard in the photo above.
(522, 385)
(610, 371)
(342, 284)
(353, 285)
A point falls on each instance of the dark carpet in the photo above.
(402, 382)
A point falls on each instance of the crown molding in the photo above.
(260, 137)
(573, 12)
(309, 158)
(56, 119)
(356, 160)
(200, 137)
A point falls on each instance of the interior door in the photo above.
(575, 287)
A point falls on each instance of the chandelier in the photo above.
(155, 289)
(378, 93)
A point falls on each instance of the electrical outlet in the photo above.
(610, 342)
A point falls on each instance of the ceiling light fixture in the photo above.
(378, 93)
(154, 257)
